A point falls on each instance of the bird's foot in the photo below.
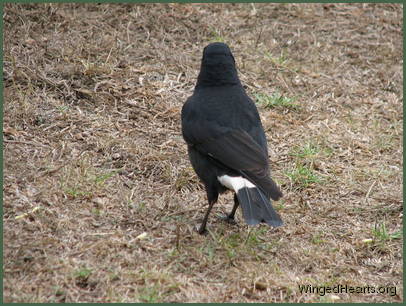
(228, 219)
(201, 230)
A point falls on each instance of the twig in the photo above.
(30, 143)
(259, 35)
(108, 56)
(86, 249)
(369, 191)
(286, 85)
(51, 171)
(180, 212)
(249, 233)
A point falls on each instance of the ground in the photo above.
(100, 202)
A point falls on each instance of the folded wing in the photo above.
(237, 150)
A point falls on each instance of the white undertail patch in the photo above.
(235, 182)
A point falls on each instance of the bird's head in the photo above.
(218, 66)
(217, 52)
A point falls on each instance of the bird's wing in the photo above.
(235, 149)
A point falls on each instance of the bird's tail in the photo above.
(256, 207)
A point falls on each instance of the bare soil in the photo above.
(100, 202)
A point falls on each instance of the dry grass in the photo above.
(94, 156)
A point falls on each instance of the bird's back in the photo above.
(227, 106)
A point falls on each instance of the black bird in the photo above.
(226, 141)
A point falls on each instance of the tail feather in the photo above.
(265, 183)
(257, 208)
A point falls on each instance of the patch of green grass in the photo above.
(255, 243)
(317, 239)
(209, 250)
(279, 205)
(309, 150)
(381, 233)
(81, 180)
(149, 294)
(141, 206)
(100, 179)
(114, 276)
(62, 108)
(384, 142)
(235, 245)
(254, 237)
(232, 254)
(276, 100)
(83, 273)
(303, 175)
(328, 151)
(306, 155)
(216, 37)
(97, 212)
(280, 60)
(233, 240)
(157, 284)
(74, 193)
(226, 247)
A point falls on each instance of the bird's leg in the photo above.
(202, 228)
(236, 203)
(230, 217)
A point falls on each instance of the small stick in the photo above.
(25, 142)
(369, 191)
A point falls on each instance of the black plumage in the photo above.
(226, 141)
